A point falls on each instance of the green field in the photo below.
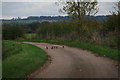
(20, 59)
(101, 50)
(19, 21)
(30, 35)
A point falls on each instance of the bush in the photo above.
(11, 32)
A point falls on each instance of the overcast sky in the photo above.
(25, 9)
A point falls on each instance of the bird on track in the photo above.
(46, 47)
(52, 47)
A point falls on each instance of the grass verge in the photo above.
(22, 59)
(101, 50)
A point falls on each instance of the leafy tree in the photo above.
(112, 27)
(78, 9)
(112, 22)
(33, 26)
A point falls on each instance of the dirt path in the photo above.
(69, 62)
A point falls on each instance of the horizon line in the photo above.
(40, 16)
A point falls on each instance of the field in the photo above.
(19, 21)
(101, 50)
(20, 59)
(30, 35)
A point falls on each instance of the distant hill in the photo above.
(48, 18)
(31, 19)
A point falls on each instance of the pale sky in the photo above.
(23, 8)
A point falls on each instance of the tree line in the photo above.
(79, 29)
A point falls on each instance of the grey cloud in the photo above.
(13, 9)
(106, 7)
(24, 9)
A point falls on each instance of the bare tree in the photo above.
(117, 9)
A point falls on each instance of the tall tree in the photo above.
(78, 9)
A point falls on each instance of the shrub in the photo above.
(11, 32)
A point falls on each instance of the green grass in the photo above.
(30, 35)
(24, 60)
(103, 51)
(10, 48)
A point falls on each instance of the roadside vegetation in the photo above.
(20, 59)
(97, 49)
